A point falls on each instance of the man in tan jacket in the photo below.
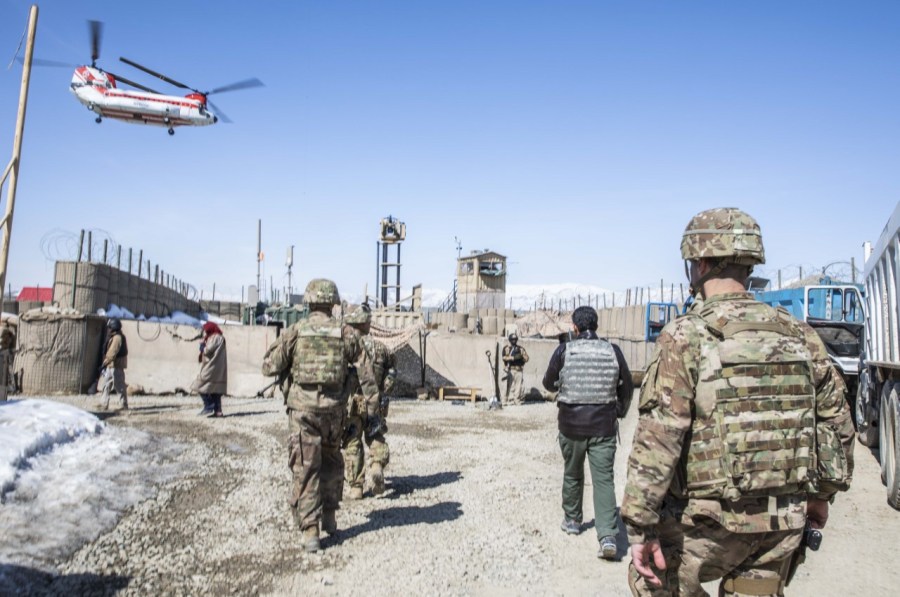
(115, 360)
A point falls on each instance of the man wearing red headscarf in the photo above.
(212, 381)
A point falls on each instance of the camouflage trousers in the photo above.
(747, 563)
(314, 457)
(515, 393)
(354, 453)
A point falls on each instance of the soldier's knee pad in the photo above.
(381, 453)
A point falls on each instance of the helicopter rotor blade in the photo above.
(219, 113)
(159, 76)
(96, 32)
(246, 84)
(120, 79)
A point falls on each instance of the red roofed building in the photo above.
(36, 293)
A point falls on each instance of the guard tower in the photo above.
(481, 281)
(393, 233)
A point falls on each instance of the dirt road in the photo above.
(472, 508)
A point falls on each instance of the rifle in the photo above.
(812, 539)
(279, 381)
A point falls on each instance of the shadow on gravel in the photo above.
(247, 414)
(21, 580)
(401, 516)
(406, 485)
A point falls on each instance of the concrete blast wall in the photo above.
(163, 357)
(460, 360)
(98, 285)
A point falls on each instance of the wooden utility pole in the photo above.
(12, 170)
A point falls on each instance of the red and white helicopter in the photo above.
(98, 90)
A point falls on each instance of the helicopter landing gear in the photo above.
(171, 131)
(98, 120)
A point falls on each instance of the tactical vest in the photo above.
(123, 350)
(517, 359)
(754, 425)
(590, 373)
(319, 354)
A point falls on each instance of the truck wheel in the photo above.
(888, 427)
(866, 431)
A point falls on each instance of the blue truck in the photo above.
(836, 311)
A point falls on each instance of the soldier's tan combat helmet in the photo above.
(725, 233)
(360, 316)
(321, 292)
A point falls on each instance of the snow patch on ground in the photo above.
(67, 477)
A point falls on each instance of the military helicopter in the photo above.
(98, 89)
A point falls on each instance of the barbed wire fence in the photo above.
(787, 276)
(95, 245)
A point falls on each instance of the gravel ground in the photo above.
(472, 508)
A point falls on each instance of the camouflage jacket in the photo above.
(667, 410)
(375, 374)
(279, 360)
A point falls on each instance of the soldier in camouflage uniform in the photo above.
(315, 354)
(368, 410)
(744, 435)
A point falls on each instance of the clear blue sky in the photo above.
(578, 138)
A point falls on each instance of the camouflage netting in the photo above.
(543, 324)
(394, 339)
(407, 363)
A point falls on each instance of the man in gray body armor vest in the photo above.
(595, 390)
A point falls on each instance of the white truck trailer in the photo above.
(878, 393)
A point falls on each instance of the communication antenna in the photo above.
(259, 253)
(289, 262)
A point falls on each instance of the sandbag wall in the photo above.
(98, 286)
(494, 322)
(58, 353)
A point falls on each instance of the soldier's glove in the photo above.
(374, 426)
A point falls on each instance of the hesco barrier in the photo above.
(58, 352)
(98, 285)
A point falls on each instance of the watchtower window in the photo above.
(490, 268)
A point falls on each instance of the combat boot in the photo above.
(356, 493)
(311, 539)
(377, 478)
(329, 523)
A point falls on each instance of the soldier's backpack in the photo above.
(754, 427)
(319, 354)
